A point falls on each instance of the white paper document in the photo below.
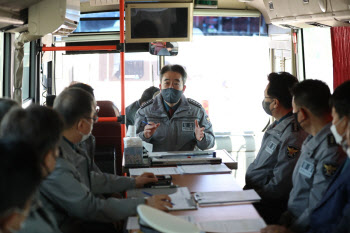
(180, 153)
(132, 223)
(156, 171)
(201, 169)
(233, 226)
(226, 197)
(180, 197)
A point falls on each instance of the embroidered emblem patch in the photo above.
(329, 168)
(292, 152)
(208, 119)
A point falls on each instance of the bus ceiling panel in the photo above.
(17, 5)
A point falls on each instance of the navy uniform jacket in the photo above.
(334, 206)
(175, 133)
(319, 160)
(271, 172)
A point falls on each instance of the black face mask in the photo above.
(171, 95)
(296, 120)
(266, 107)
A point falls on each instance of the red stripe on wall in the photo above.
(341, 54)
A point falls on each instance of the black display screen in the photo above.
(159, 22)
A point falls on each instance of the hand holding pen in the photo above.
(150, 128)
(160, 202)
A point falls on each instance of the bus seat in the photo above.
(107, 109)
(108, 151)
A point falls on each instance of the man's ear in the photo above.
(80, 125)
(304, 113)
(160, 87)
(10, 222)
(183, 90)
(276, 104)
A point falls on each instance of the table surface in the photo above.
(214, 182)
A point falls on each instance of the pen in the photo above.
(150, 195)
(145, 122)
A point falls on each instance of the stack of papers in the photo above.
(226, 197)
(156, 171)
(233, 226)
(180, 197)
(203, 169)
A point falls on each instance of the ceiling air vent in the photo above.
(317, 24)
(289, 26)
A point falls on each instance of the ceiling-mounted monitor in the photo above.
(159, 22)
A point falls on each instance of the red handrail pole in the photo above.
(108, 119)
(80, 48)
(122, 67)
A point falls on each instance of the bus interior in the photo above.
(234, 45)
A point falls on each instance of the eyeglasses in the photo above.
(94, 118)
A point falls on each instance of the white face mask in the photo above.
(338, 138)
(86, 136)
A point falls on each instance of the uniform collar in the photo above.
(69, 143)
(282, 124)
(159, 109)
(314, 141)
(284, 117)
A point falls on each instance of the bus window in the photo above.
(221, 78)
(26, 72)
(318, 54)
(102, 72)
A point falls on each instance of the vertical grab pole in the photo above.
(122, 68)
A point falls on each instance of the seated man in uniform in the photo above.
(40, 127)
(72, 189)
(19, 178)
(332, 213)
(320, 156)
(172, 122)
(270, 175)
(131, 110)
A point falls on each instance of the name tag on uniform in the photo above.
(188, 126)
(271, 146)
(307, 169)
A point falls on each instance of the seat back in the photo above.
(108, 151)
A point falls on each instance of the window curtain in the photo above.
(341, 54)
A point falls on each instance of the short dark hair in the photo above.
(280, 85)
(73, 104)
(148, 94)
(340, 99)
(174, 68)
(313, 95)
(20, 175)
(37, 125)
(6, 105)
(83, 86)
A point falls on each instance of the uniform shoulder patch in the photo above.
(145, 104)
(329, 168)
(195, 103)
(331, 140)
(292, 152)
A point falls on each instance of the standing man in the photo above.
(131, 110)
(172, 122)
(270, 175)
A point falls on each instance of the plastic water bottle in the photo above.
(133, 149)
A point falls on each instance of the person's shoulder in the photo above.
(147, 103)
(194, 103)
